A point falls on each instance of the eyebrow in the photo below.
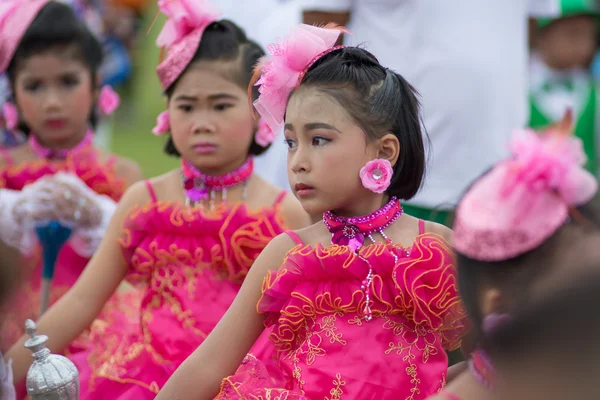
(222, 96)
(184, 97)
(212, 97)
(320, 125)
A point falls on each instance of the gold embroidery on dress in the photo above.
(337, 392)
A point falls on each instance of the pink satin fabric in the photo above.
(327, 350)
(192, 265)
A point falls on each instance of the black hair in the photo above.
(225, 41)
(515, 276)
(379, 100)
(559, 325)
(56, 27)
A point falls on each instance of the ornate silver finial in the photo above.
(51, 376)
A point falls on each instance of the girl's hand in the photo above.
(62, 197)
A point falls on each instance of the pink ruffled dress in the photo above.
(326, 348)
(193, 265)
(99, 176)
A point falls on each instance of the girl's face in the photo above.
(569, 42)
(327, 149)
(54, 93)
(212, 125)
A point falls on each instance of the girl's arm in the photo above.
(200, 376)
(76, 310)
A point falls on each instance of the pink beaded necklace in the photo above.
(352, 232)
(59, 154)
(199, 186)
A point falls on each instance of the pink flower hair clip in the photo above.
(278, 74)
(264, 135)
(523, 200)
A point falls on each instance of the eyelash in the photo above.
(289, 142)
(223, 107)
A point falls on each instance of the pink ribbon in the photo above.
(184, 16)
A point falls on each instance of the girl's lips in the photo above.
(204, 148)
(56, 123)
(303, 190)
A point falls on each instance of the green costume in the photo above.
(552, 92)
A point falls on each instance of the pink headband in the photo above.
(522, 201)
(181, 35)
(15, 18)
(281, 72)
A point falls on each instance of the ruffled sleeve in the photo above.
(428, 289)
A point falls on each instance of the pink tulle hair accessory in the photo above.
(181, 35)
(376, 175)
(278, 74)
(10, 115)
(15, 18)
(108, 100)
(523, 200)
(162, 124)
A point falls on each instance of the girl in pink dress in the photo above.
(520, 231)
(364, 303)
(52, 60)
(189, 236)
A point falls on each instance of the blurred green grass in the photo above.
(142, 101)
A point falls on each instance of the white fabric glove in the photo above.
(61, 197)
(12, 219)
(7, 388)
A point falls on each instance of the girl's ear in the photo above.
(389, 148)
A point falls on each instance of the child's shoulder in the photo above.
(439, 229)
(125, 168)
(16, 155)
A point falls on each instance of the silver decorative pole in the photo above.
(51, 376)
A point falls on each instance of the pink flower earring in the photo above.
(108, 100)
(376, 175)
(10, 115)
(162, 124)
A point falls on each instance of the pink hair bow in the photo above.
(522, 201)
(184, 16)
(281, 71)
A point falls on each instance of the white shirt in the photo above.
(264, 22)
(468, 61)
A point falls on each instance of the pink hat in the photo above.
(15, 18)
(524, 200)
(181, 35)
